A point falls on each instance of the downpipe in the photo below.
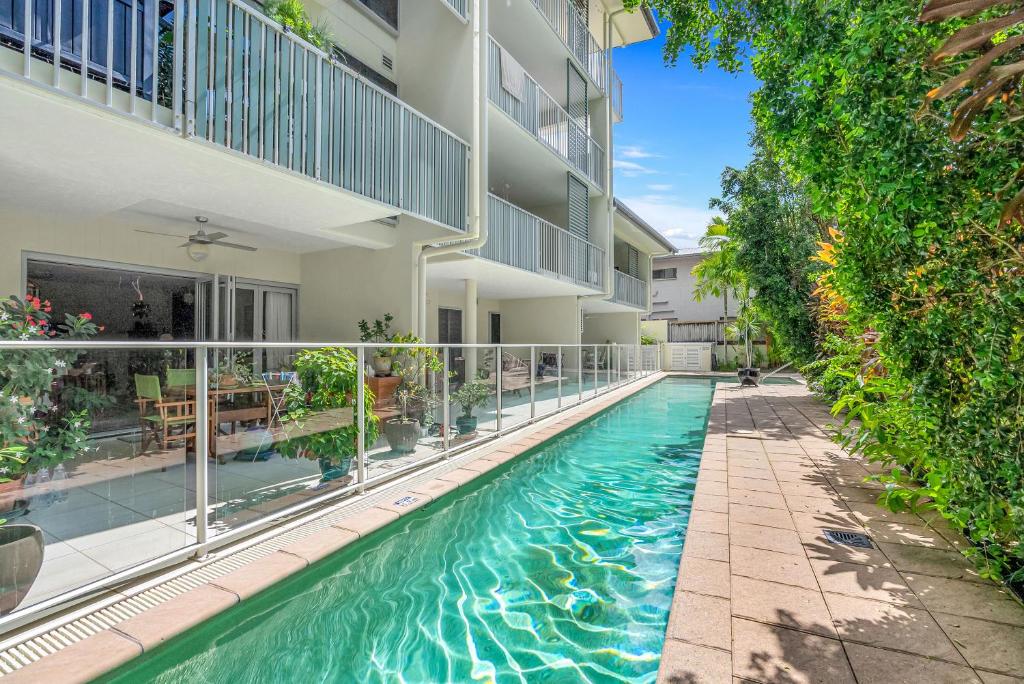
(476, 236)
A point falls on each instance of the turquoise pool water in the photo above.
(558, 567)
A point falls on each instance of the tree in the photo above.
(718, 274)
(929, 273)
(775, 235)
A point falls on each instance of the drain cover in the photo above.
(848, 538)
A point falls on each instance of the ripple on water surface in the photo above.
(557, 568)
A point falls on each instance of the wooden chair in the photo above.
(163, 421)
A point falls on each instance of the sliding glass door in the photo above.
(236, 310)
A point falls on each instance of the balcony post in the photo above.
(361, 418)
(202, 446)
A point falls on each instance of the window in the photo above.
(664, 274)
(387, 10)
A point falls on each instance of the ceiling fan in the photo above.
(198, 244)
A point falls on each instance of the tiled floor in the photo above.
(762, 596)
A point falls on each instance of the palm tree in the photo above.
(717, 274)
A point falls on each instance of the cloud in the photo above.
(636, 152)
(681, 224)
(631, 169)
(659, 187)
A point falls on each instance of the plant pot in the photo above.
(334, 471)
(382, 365)
(21, 556)
(226, 380)
(402, 435)
(466, 424)
(748, 376)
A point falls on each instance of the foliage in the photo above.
(44, 431)
(412, 364)
(718, 274)
(328, 380)
(292, 15)
(748, 325)
(647, 340)
(235, 364)
(925, 287)
(993, 77)
(774, 233)
(379, 333)
(471, 395)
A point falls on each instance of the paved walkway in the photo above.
(763, 596)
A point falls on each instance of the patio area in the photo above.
(763, 595)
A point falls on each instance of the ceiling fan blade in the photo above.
(232, 245)
(153, 232)
(213, 237)
(188, 244)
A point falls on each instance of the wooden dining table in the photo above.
(261, 409)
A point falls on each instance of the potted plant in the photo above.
(39, 431)
(746, 327)
(469, 396)
(379, 333)
(318, 418)
(414, 400)
(232, 370)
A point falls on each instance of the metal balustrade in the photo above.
(630, 290)
(542, 117)
(569, 25)
(460, 7)
(221, 71)
(518, 238)
(186, 481)
(616, 97)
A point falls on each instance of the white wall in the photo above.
(359, 34)
(456, 299)
(673, 299)
(546, 320)
(342, 286)
(618, 328)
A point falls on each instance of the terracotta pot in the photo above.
(21, 556)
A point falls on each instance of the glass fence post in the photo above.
(608, 363)
(595, 370)
(497, 385)
(202, 445)
(579, 372)
(533, 383)
(361, 418)
(444, 397)
(558, 362)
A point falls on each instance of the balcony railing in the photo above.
(460, 7)
(572, 28)
(220, 70)
(541, 116)
(616, 96)
(518, 238)
(629, 290)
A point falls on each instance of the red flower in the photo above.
(85, 316)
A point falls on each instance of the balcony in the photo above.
(460, 7)
(629, 291)
(616, 95)
(572, 29)
(221, 73)
(520, 239)
(541, 116)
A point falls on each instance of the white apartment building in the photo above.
(448, 162)
(673, 288)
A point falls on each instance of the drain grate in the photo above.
(857, 539)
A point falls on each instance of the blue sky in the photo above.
(680, 128)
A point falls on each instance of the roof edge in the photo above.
(652, 21)
(644, 226)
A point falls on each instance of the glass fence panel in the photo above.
(410, 412)
(97, 458)
(282, 429)
(571, 377)
(546, 379)
(515, 385)
(474, 400)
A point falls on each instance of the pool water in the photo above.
(558, 567)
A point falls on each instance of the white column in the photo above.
(470, 308)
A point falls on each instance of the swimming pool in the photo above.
(559, 566)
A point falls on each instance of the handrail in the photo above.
(222, 71)
(521, 239)
(540, 115)
(567, 23)
(630, 290)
